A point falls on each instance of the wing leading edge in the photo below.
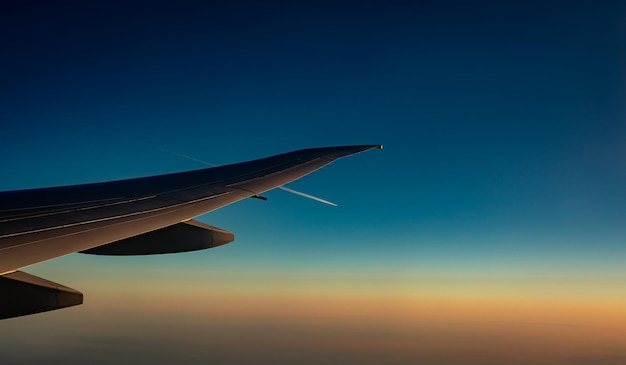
(141, 216)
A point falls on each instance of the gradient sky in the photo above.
(489, 230)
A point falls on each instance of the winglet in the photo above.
(333, 153)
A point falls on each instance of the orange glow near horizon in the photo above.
(473, 319)
(437, 330)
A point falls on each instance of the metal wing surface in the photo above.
(138, 216)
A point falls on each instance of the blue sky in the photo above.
(503, 125)
(496, 118)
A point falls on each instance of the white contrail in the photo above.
(307, 195)
(214, 165)
(185, 156)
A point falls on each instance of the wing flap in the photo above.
(182, 237)
(24, 294)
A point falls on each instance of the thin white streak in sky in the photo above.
(307, 196)
(280, 187)
(185, 156)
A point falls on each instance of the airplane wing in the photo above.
(149, 215)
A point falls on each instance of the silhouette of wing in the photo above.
(147, 215)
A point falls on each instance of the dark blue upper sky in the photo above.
(503, 122)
